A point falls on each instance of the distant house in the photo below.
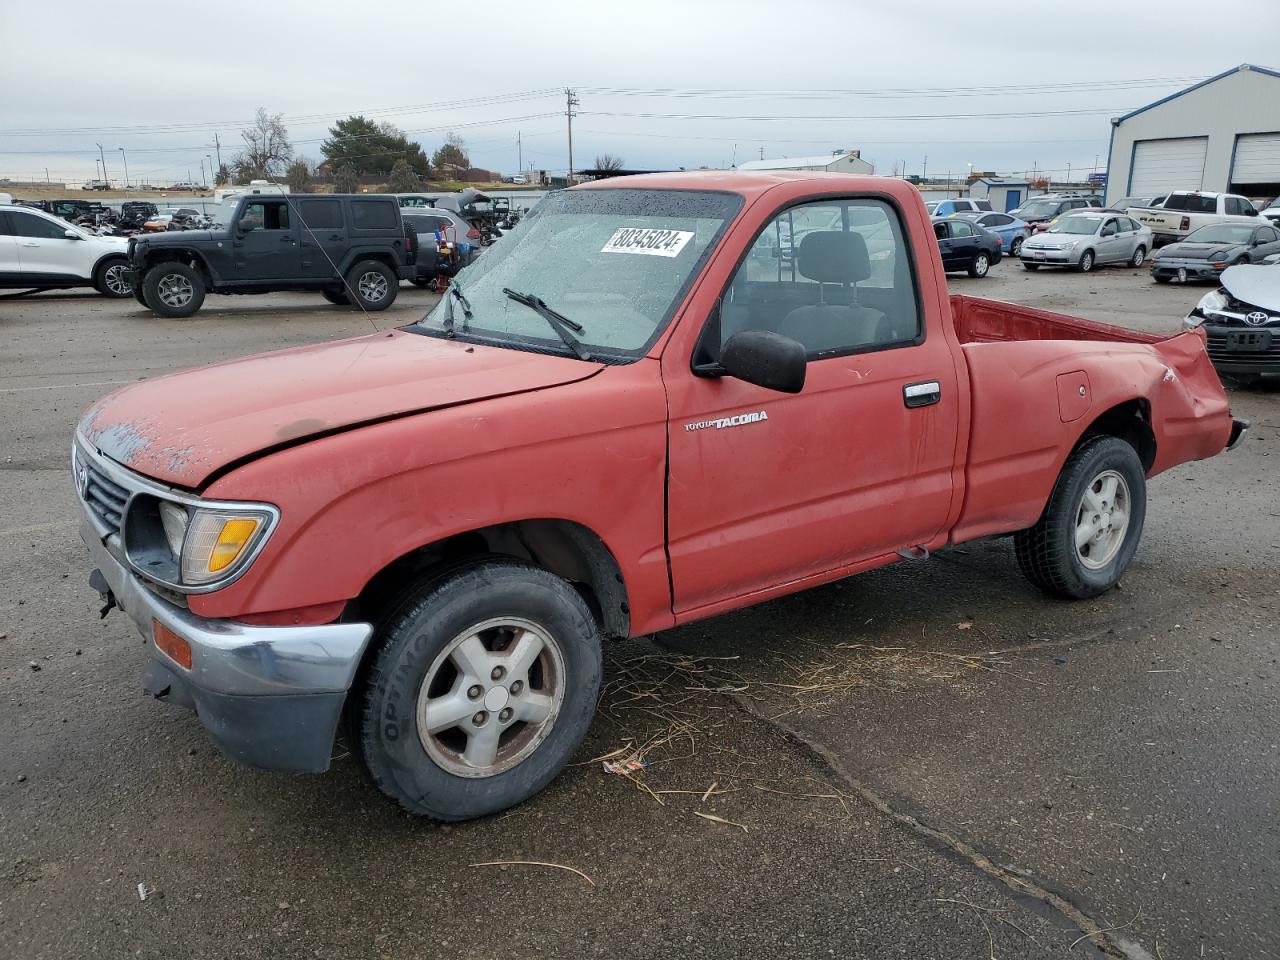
(1004, 194)
(839, 161)
(477, 175)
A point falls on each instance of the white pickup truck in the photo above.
(1186, 210)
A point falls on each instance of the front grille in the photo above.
(1267, 357)
(104, 497)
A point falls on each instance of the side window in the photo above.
(25, 225)
(1242, 207)
(960, 228)
(1132, 224)
(263, 215)
(6, 230)
(1267, 235)
(1109, 228)
(940, 230)
(321, 214)
(373, 214)
(835, 275)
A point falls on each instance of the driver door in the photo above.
(767, 488)
(266, 243)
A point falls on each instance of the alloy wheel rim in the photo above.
(175, 290)
(491, 697)
(114, 278)
(982, 265)
(372, 286)
(1102, 519)
(1086, 262)
(1138, 256)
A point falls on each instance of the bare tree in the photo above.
(267, 149)
(453, 153)
(608, 162)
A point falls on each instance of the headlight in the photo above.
(217, 541)
(192, 546)
(1074, 244)
(1214, 302)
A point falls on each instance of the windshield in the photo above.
(1077, 225)
(1038, 208)
(615, 261)
(1191, 202)
(1221, 233)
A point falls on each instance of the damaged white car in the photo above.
(1242, 321)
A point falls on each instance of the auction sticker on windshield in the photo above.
(649, 241)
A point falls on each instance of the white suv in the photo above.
(40, 252)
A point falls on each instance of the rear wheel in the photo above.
(1086, 262)
(373, 285)
(338, 298)
(1090, 528)
(109, 278)
(1015, 248)
(1033, 267)
(173, 289)
(1158, 278)
(1139, 257)
(980, 265)
(139, 296)
(484, 686)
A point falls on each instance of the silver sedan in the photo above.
(1084, 240)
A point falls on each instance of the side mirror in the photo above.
(71, 235)
(766, 359)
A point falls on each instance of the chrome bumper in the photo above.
(235, 658)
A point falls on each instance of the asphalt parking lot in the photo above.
(930, 760)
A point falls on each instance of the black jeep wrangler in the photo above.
(348, 247)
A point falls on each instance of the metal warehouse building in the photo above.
(1221, 134)
(839, 161)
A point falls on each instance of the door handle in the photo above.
(31, 244)
(286, 239)
(922, 394)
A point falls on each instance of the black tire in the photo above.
(1158, 278)
(1033, 267)
(338, 298)
(375, 294)
(140, 296)
(1047, 553)
(980, 265)
(417, 636)
(157, 284)
(1015, 248)
(107, 280)
(1139, 258)
(424, 282)
(1086, 262)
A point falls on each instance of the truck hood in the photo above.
(184, 427)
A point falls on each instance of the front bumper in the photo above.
(270, 697)
(1196, 269)
(1059, 258)
(1243, 349)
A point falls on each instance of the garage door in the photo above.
(1163, 165)
(1257, 158)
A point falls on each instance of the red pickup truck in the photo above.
(663, 398)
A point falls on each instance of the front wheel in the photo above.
(338, 298)
(980, 265)
(1090, 528)
(1033, 267)
(373, 285)
(173, 290)
(1015, 248)
(1086, 262)
(483, 687)
(1139, 257)
(109, 278)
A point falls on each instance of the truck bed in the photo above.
(979, 320)
(1038, 381)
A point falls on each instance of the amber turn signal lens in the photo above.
(231, 540)
(178, 649)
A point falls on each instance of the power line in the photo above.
(1011, 115)
(890, 92)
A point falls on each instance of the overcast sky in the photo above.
(790, 78)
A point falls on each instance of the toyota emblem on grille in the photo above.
(1257, 318)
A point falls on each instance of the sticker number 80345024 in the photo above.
(650, 241)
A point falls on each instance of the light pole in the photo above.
(97, 169)
(212, 173)
(125, 158)
(103, 156)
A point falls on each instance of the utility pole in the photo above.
(570, 102)
(218, 148)
(104, 165)
(762, 153)
(125, 156)
(924, 171)
(1068, 174)
(46, 175)
(519, 154)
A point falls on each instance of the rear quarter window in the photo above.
(321, 214)
(374, 214)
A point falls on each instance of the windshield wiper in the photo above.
(558, 321)
(454, 292)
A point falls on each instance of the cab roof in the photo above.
(748, 183)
